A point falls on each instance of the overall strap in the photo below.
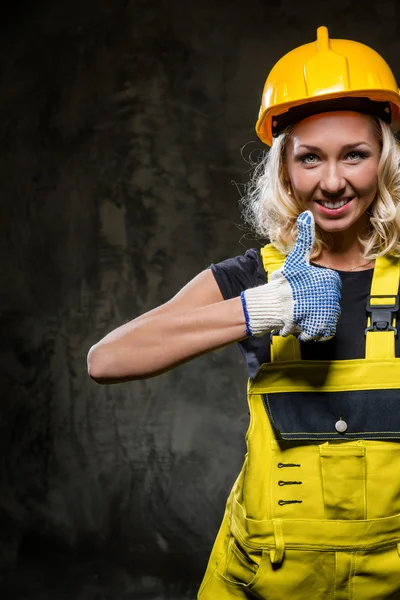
(382, 306)
(282, 348)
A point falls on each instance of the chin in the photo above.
(339, 225)
(335, 224)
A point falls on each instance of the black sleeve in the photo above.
(240, 273)
(233, 276)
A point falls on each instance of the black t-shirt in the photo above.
(237, 274)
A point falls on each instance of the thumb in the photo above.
(305, 238)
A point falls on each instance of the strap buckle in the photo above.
(382, 314)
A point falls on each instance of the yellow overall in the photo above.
(315, 512)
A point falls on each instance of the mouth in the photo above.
(334, 206)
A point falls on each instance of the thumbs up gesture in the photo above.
(316, 292)
(298, 299)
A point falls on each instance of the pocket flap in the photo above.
(314, 415)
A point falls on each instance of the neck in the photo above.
(348, 262)
(345, 254)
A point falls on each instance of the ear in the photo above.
(287, 184)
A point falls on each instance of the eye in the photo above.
(309, 159)
(356, 155)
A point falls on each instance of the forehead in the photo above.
(333, 127)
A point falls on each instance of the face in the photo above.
(332, 164)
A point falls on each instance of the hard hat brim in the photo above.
(382, 99)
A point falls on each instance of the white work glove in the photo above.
(299, 299)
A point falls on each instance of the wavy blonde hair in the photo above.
(272, 212)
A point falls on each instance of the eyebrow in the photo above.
(346, 147)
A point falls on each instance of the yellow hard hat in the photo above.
(326, 75)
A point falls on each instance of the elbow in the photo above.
(104, 366)
(96, 365)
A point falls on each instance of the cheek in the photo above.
(303, 181)
(365, 182)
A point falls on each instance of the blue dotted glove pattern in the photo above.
(316, 291)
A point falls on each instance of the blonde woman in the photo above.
(315, 511)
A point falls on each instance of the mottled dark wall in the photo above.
(122, 124)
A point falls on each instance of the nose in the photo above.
(332, 181)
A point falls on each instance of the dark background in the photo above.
(122, 125)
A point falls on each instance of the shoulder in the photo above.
(236, 274)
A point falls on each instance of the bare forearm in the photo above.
(152, 344)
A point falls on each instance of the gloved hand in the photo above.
(299, 298)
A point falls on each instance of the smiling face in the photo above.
(332, 165)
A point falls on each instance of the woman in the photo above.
(315, 511)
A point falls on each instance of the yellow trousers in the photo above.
(309, 521)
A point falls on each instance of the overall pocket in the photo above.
(303, 574)
(376, 574)
(344, 480)
(240, 568)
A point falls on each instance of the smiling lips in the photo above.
(334, 204)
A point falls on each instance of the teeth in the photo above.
(338, 204)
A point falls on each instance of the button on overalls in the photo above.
(315, 511)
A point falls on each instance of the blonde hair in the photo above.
(272, 211)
